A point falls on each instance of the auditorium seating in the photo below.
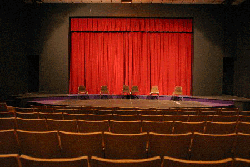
(8, 142)
(31, 124)
(157, 127)
(39, 144)
(240, 162)
(14, 160)
(188, 138)
(242, 146)
(92, 126)
(28, 161)
(7, 123)
(220, 127)
(125, 127)
(79, 144)
(243, 127)
(147, 162)
(175, 162)
(212, 147)
(185, 127)
(9, 160)
(125, 146)
(174, 145)
(62, 125)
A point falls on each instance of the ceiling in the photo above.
(228, 2)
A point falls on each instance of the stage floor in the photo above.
(141, 103)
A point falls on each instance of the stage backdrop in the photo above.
(131, 51)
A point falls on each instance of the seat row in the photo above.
(53, 144)
(138, 111)
(15, 160)
(118, 117)
(125, 127)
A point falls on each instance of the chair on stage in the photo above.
(177, 91)
(104, 90)
(154, 90)
(125, 89)
(82, 90)
(134, 91)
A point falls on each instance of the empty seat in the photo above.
(58, 116)
(76, 116)
(80, 144)
(224, 118)
(39, 144)
(6, 114)
(244, 118)
(152, 117)
(7, 123)
(240, 162)
(183, 118)
(174, 145)
(92, 126)
(125, 127)
(126, 112)
(220, 127)
(243, 127)
(185, 127)
(126, 117)
(246, 113)
(25, 110)
(28, 161)
(148, 162)
(200, 118)
(212, 147)
(94, 117)
(169, 161)
(125, 146)
(208, 112)
(29, 115)
(8, 142)
(62, 125)
(9, 160)
(157, 127)
(242, 146)
(32, 124)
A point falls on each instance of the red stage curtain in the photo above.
(142, 52)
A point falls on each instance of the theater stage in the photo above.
(142, 101)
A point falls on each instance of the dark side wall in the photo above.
(42, 30)
(242, 63)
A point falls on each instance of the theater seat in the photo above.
(81, 144)
(125, 146)
(28, 161)
(174, 162)
(39, 144)
(9, 160)
(148, 162)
